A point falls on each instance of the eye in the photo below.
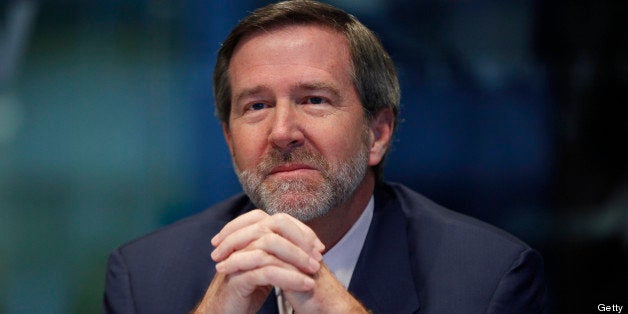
(315, 100)
(258, 106)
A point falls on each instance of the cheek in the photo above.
(246, 148)
(345, 142)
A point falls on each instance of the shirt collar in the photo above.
(343, 256)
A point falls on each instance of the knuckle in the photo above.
(282, 218)
(267, 259)
(269, 273)
(258, 213)
(260, 257)
(267, 242)
(271, 238)
(261, 243)
(258, 254)
(259, 229)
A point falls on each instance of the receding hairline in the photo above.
(280, 25)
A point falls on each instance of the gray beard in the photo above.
(303, 198)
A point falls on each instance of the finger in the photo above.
(318, 245)
(269, 250)
(284, 278)
(237, 224)
(288, 252)
(250, 260)
(281, 224)
(296, 232)
(239, 239)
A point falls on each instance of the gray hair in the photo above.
(373, 71)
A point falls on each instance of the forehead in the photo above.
(310, 45)
(302, 30)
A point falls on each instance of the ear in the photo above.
(380, 131)
(227, 135)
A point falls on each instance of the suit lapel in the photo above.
(382, 279)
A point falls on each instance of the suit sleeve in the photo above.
(522, 288)
(118, 297)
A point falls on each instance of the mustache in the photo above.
(299, 155)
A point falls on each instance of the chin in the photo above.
(299, 206)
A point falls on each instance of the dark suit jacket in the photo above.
(417, 257)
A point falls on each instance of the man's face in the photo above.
(297, 132)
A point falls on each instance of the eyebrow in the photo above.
(314, 86)
(249, 92)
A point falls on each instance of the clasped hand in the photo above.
(257, 251)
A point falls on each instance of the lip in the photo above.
(289, 168)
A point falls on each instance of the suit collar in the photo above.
(382, 279)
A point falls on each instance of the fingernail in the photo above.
(214, 240)
(220, 267)
(314, 265)
(215, 255)
(319, 245)
(308, 283)
(317, 255)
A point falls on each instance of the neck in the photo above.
(333, 226)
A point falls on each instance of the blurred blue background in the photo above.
(511, 113)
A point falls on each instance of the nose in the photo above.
(286, 133)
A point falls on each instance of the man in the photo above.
(308, 99)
